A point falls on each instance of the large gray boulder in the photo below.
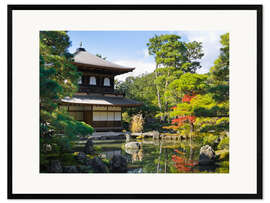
(55, 167)
(155, 134)
(89, 147)
(132, 145)
(81, 156)
(207, 155)
(95, 164)
(98, 166)
(118, 164)
(132, 150)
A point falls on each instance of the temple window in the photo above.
(106, 116)
(92, 80)
(117, 116)
(107, 82)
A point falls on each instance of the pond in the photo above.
(160, 156)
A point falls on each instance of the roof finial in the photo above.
(80, 48)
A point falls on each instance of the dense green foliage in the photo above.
(173, 57)
(58, 79)
(175, 90)
(140, 88)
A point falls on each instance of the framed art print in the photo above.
(135, 101)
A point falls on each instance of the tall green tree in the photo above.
(173, 57)
(58, 79)
(207, 95)
(140, 88)
(220, 71)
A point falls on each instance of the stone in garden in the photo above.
(132, 145)
(99, 166)
(55, 167)
(118, 164)
(207, 155)
(47, 147)
(155, 134)
(89, 147)
(87, 161)
(80, 156)
(70, 169)
(131, 150)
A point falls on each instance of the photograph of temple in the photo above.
(134, 102)
(97, 103)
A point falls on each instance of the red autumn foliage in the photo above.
(179, 121)
(187, 98)
(179, 152)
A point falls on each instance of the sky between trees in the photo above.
(129, 48)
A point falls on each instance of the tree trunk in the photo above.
(158, 93)
(166, 102)
(191, 131)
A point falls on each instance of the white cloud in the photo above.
(211, 46)
(140, 68)
(211, 49)
(145, 53)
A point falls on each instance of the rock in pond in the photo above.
(89, 147)
(155, 134)
(55, 167)
(81, 156)
(98, 166)
(132, 145)
(131, 150)
(118, 164)
(207, 155)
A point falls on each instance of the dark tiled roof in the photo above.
(101, 100)
(83, 57)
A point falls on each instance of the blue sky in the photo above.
(129, 47)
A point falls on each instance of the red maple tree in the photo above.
(187, 97)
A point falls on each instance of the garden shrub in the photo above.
(210, 140)
(137, 122)
(224, 143)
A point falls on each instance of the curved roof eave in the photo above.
(85, 58)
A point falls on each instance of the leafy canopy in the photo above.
(58, 79)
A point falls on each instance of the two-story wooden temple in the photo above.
(97, 103)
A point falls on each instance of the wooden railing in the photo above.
(96, 89)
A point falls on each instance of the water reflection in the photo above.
(167, 156)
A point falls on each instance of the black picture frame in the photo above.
(257, 8)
